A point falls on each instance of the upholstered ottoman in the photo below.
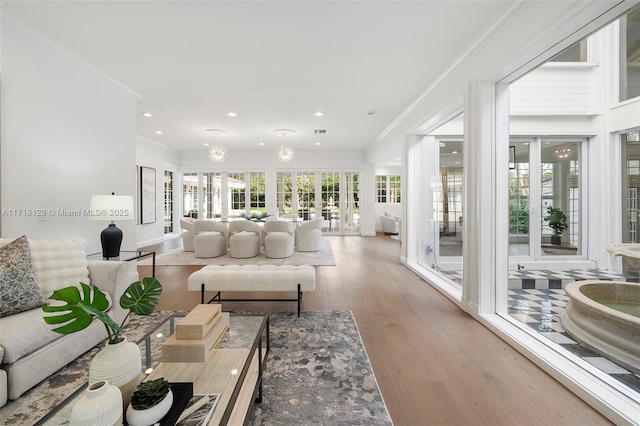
(210, 244)
(257, 278)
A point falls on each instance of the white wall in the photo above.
(150, 153)
(68, 132)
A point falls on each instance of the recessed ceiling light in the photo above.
(206, 144)
(318, 114)
(232, 114)
(317, 143)
(454, 152)
(158, 132)
(215, 132)
(147, 114)
(261, 143)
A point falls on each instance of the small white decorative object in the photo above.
(99, 405)
(151, 415)
(121, 365)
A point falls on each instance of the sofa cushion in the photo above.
(27, 332)
(19, 290)
(58, 264)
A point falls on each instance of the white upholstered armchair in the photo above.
(245, 238)
(309, 235)
(390, 224)
(278, 239)
(211, 238)
(188, 233)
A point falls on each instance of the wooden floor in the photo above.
(433, 362)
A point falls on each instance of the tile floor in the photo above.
(537, 299)
(541, 310)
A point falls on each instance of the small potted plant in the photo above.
(558, 222)
(150, 402)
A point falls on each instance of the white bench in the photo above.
(221, 278)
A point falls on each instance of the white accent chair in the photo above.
(188, 233)
(245, 239)
(309, 235)
(278, 239)
(390, 224)
(211, 239)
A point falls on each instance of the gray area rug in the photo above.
(324, 257)
(318, 373)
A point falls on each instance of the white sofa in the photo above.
(389, 223)
(29, 350)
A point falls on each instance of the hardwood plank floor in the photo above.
(434, 363)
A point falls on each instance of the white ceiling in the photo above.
(274, 63)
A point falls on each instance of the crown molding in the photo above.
(7, 18)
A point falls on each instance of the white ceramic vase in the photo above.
(99, 405)
(121, 365)
(151, 415)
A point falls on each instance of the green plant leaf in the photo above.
(141, 297)
(79, 309)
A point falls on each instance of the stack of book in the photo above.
(196, 335)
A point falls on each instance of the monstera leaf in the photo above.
(142, 296)
(79, 309)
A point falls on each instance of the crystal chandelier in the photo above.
(217, 153)
(285, 153)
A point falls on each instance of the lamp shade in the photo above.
(111, 207)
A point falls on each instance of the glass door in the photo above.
(331, 212)
(546, 206)
(351, 216)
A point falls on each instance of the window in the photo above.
(631, 183)
(190, 195)
(285, 193)
(574, 53)
(211, 194)
(257, 191)
(306, 194)
(630, 55)
(237, 194)
(387, 189)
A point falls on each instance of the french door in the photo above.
(546, 198)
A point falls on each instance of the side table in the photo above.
(128, 256)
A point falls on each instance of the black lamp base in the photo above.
(111, 239)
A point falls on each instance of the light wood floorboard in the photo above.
(435, 364)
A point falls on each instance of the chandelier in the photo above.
(285, 153)
(563, 153)
(217, 153)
